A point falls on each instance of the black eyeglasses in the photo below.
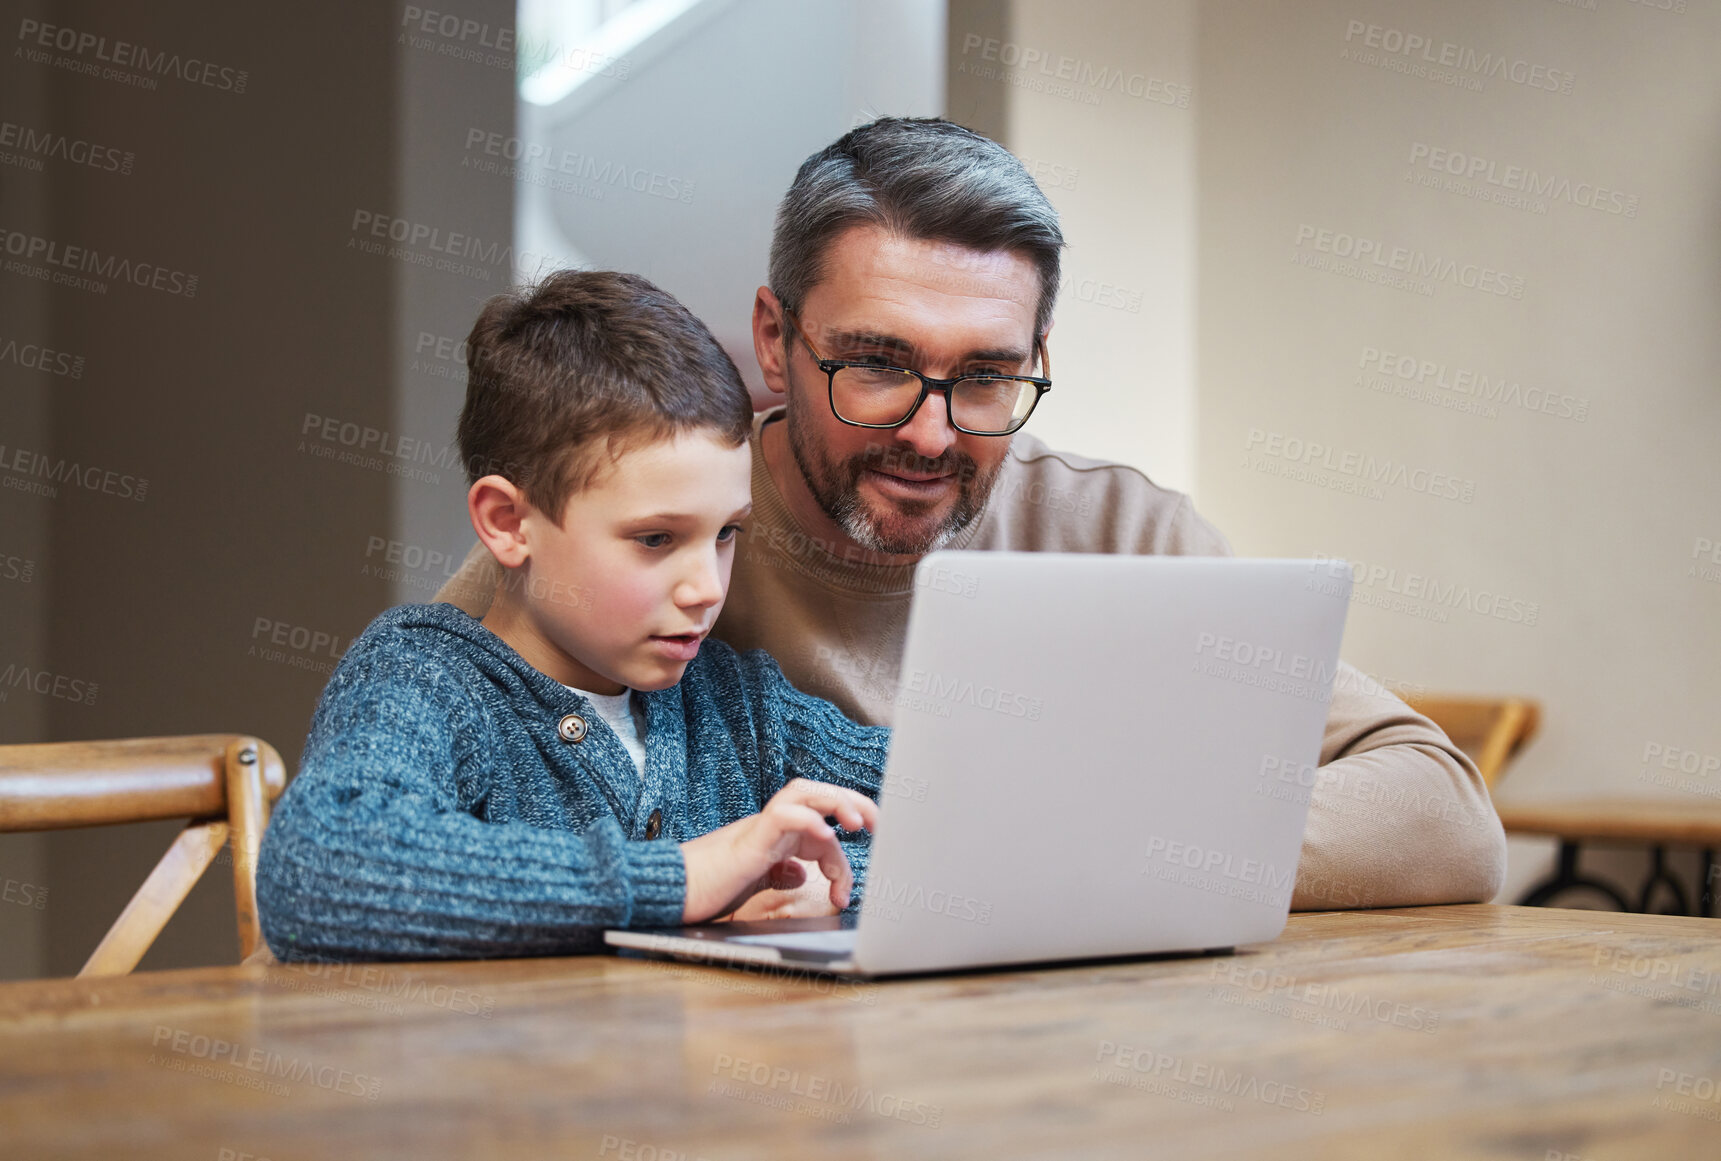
(872, 395)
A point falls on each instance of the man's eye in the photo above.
(653, 539)
(728, 533)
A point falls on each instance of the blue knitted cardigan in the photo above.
(439, 812)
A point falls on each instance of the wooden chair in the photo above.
(223, 783)
(1490, 730)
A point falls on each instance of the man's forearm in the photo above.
(1398, 816)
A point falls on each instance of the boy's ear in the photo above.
(768, 335)
(498, 510)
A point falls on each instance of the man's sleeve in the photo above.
(472, 588)
(375, 851)
(1399, 816)
(802, 736)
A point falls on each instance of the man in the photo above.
(913, 272)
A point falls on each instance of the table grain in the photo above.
(1442, 1032)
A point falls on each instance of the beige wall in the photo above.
(1586, 484)
(1546, 533)
(1098, 99)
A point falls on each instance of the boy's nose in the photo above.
(701, 587)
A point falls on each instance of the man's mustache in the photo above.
(952, 462)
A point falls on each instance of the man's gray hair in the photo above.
(922, 177)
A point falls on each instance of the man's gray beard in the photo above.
(839, 498)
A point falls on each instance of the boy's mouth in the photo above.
(678, 647)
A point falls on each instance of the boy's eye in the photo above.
(728, 533)
(652, 539)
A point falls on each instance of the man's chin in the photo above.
(901, 533)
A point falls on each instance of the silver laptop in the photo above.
(1093, 756)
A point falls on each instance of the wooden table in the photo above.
(1656, 823)
(1480, 1031)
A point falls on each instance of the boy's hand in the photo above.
(728, 866)
(810, 900)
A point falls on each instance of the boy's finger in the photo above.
(835, 865)
(853, 810)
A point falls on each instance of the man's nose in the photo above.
(929, 432)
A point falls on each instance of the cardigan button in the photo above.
(654, 824)
(572, 728)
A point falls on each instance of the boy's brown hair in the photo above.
(566, 376)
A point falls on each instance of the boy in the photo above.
(494, 788)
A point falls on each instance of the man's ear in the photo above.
(498, 510)
(769, 331)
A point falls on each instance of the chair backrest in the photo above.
(223, 783)
(1490, 730)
